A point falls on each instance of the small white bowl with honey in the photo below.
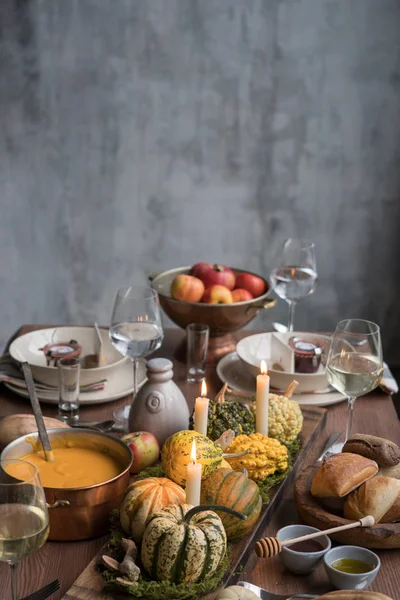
(85, 482)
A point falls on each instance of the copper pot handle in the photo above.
(267, 303)
(58, 504)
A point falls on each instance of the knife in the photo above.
(332, 439)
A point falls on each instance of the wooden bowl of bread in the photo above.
(362, 480)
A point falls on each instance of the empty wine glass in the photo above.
(295, 275)
(24, 520)
(136, 330)
(354, 366)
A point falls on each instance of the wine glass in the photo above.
(24, 520)
(295, 275)
(136, 330)
(354, 365)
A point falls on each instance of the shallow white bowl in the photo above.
(27, 348)
(255, 348)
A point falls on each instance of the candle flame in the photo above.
(203, 389)
(263, 367)
(193, 458)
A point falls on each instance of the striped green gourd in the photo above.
(182, 544)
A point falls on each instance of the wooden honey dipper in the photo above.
(270, 546)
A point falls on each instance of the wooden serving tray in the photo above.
(380, 536)
(89, 584)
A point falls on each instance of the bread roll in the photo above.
(391, 471)
(374, 497)
(342, 473)
(354, 595)
(384, 452)
(393, 514)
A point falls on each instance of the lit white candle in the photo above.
(193, 479)
(201, 411)
(262, 400)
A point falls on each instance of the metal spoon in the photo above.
(103, 426)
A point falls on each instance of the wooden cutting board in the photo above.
(89, 584)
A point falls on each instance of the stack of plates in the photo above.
(238, 369)
(117, 370)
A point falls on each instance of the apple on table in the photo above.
(216, 275)
(145, 449)
(241, 295)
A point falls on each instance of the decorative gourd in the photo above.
(182, 544)
(175, 455)
(145, 497)
(227, 414)
(236, 592)
(266, 455)
(233, 490)
(14, 426)
(225, 465)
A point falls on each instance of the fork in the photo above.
(44, 592)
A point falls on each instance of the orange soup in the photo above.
(73, 467)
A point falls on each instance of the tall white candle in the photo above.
(201, 411)
(262, 400)
(193, 478)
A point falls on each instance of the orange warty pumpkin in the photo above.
(233, 490)
(145, 497)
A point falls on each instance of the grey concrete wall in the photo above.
(140, 135)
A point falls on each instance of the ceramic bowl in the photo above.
(27, 347)
(254, 348)
(301, 563)
(348, 581)
(221, 318)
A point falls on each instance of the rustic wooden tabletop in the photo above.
(374, 414)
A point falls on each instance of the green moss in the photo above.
(164, 590)
(273, 480)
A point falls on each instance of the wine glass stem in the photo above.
(292, 306)
(135, 361)
(350, 417)
(13, 572)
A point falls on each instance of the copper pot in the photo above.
(222, 319)
(81, 513)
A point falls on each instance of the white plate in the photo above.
(232, 370)
(27, 347)
(253, 348)
(119, 384)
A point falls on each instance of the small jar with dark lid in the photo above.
(307, 355)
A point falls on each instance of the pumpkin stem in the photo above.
(197, 509)
(220, 397)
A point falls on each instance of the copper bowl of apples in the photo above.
(226, 299)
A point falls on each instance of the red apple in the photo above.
(241, 295)
(145, 449)
(188, 288)
(219, 275)
(217, 294)
(199, 268)
(253, 284)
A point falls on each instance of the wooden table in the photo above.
(374, 414)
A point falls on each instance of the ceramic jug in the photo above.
(159, 406)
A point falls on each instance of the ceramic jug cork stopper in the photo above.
(159, 370)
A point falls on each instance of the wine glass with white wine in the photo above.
(24, 520)
(136, 331)
(295, 275)
(354, 366)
